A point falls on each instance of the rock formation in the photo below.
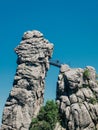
(26, 96)
(77, 96)
(77, 89)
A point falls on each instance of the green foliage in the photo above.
(86, 74)
(47, 118)
(95, 129)
(34, 120)
(93, 100)
(40, 125)
(85, 86)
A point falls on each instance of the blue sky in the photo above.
(72, 25)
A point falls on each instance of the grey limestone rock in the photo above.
(26, 96)
(58, 127)
(77, 98)
(76, 95)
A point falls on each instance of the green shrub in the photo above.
(34, 120)
(86, 74)
(47, 118)
(85, 86)
(93, 100)
(40, 125)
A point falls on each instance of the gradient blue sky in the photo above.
(72, 25)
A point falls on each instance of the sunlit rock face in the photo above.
(26, 96)
(77, 96)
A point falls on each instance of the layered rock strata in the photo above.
(77, 96)
(26, 96)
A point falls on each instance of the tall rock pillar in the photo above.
(26, 96)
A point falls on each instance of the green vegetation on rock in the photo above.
(93, 100)
(86, 74)
(47, 117)
(85, 86)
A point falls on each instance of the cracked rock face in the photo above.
(26, 96)
(77, 96)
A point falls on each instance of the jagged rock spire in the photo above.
(26, 96)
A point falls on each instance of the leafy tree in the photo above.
(47, 118)
(41, 125)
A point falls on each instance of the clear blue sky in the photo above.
(72, 25)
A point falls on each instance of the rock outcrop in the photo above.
(77, 89)
(26, 96)
(77, 96)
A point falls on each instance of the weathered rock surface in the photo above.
(77, 96)
(26, 96)
(77, 89)
(58, 127)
